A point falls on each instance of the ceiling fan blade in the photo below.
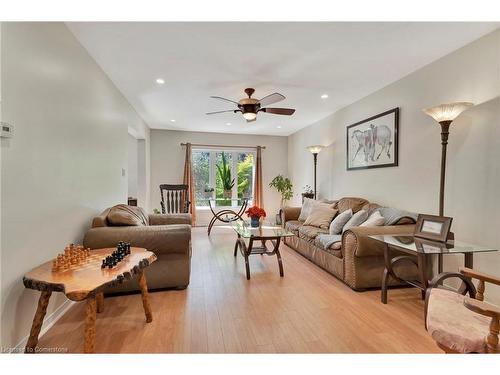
(279, 111)
(271, 99)
(229, 110)
(226, 100)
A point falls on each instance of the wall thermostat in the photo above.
(7, 130)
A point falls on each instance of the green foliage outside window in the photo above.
(224, 173)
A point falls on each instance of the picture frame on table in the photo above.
(433, 227)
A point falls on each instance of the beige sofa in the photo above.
(168, 236)
(359, 262)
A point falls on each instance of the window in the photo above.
(215, 170)
(201, 175)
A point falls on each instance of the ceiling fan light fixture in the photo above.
(250, 116)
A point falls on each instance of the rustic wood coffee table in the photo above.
(263, 234)
(87, 281)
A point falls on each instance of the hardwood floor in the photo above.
(307, 311)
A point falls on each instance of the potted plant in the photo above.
(224, 171)
(284, 186)
(308, 193)
(255, 213)
(209, 191)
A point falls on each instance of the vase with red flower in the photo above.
(255, 213)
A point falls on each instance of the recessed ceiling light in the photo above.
(228, 123)
(279, 126)
(324, 96)
(172, 120)
(160, 81)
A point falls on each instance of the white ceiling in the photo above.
(300, 60)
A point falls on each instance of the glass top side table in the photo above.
(417, 251)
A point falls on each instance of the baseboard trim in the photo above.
(48, 322)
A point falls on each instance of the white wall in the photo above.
(473, 175)
(144, 171)
(133, 158)
(64, 164)
(1, 119)
(167, 160)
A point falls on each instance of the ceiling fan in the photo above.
(249, 107)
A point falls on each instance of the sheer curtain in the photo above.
(258, 196)
(189, 181)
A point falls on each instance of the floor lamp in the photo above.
(315, 150)
(444, 114)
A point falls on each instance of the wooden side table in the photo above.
(87, 281)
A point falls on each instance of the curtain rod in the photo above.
(222, 146)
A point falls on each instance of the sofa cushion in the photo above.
(331, 202)
(371, 207)
(321, 215)
(123, 215)
(338, 223)
(335, 251)
(293, 226)
(309, 233)
(395, 216)
(374, 220)
(333, 248)
(356, 220)
(306, 208)
(355, 204)
(453, 325)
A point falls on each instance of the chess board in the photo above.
(86, 277)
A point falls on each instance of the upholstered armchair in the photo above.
(168, 236)
(460, 323)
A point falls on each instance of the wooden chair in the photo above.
(174, 199)
(460, 323)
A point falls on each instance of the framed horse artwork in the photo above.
(373, 143)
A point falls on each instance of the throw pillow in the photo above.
(333, 203)
(356, 220)
(336, 245)
(374, 220)
(371, 208)
(394, 216)
(123, 215)
(306, 208)
(355, 204)
(321, 215)
(338, 223)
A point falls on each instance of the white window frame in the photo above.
(234, 170)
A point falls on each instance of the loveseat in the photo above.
(358, 261)
(168, 236)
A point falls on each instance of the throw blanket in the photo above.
(328, 240)
(393, 215)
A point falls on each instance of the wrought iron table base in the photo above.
(246, 251)
(230, 215)
(419, 262)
